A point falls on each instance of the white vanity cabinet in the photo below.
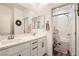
(18, 50)
(42, 46)
(36, 47)
(39, 47)
(22, 50)
(25, 49)
(8, 52)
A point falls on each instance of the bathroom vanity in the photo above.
(14, 24)
(26, 46)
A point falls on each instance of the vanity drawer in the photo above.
(34, 50)
(34, 42)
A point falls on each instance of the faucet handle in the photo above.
(11, 37)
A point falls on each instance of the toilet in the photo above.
(62, 47)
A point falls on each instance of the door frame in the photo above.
(75, 23)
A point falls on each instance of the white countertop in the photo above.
(19, 39)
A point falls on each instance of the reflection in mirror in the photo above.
(38, 22)
(5, 20)
(34, 23)
(26, 25)
(41, 20)
(8, 16)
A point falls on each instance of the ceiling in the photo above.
(39, 6)
(35, 6)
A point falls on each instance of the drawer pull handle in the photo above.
(34, 48)
(42, 44)
(34, 42)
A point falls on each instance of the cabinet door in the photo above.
(20, 50)
(12, 51)
(4, 53)
(26, 50)
(34, 50)
(42, 46)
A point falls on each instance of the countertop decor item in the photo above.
(47, 26)
(29, 28)
(34, 23)
(18, 22)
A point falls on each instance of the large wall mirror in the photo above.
(38, 22)
(12, 20)
(5, 20)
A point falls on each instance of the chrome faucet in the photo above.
(10, 37)
(34, 34)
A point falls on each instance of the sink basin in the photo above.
(64, 39)
(64, 43)
(9, 41)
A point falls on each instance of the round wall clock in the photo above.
(18, 22)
